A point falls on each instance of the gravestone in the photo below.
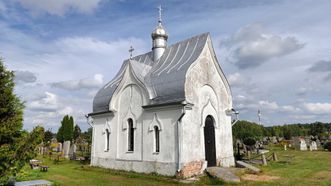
(313, 146)
(59, 147)
(66, 149)
(303, 145)
(274, 140)
(72, 151)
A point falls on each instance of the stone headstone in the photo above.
(59, 147)
(274, 140)
(313, 145)
(72, 151)
(303, 145)
(66, 149)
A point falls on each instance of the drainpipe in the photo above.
(178, 140)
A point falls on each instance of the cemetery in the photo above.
(292, 166)
(271, 160)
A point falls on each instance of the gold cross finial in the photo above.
(131, 50)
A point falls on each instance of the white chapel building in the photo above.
(167, 111)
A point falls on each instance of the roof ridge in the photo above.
(185, 40)
(190, 38)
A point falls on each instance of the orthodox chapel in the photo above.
(167, 111)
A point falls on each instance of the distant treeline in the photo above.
(246, 129)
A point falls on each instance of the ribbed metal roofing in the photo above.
(165, 77)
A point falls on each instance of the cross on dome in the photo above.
(160, 14)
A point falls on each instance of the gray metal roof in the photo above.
(165, 77)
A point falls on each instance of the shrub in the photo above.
(249, 141)
(327, 145)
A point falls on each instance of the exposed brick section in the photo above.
(190, 169)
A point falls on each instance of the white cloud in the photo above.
(266, 105)
(60, 7)
(236, 79)
(303, 117)
(66, 110)
(49, 103)
(290, 109)
(94, 82)
(253, 45)
(318, 108)
(25, 77)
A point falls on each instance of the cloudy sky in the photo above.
(275, 54)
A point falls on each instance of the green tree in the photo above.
(66, 131)
(87, 136)
(245, 129)
(317, 128)
(59, 135)
(48, 136)
(287, 131)
(16, 145)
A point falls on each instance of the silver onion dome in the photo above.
(159, 36)
(159, 31)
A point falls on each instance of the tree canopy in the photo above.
(66, 131)
(16, 145)
(245, 129)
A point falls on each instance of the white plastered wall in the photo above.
(127, 103)
(207, 88)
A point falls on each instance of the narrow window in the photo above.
(130, 135)
(107, 140)
(157, 138)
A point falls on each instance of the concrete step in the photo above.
(223, 173)
(34, 183)
(248, 166)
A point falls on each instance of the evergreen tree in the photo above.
(16, 146)
(66, 131)
(59, 135)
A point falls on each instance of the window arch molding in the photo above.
(155, 128)
(209, 109)
(129, 115)
(155, 122)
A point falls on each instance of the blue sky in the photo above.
(275, 54)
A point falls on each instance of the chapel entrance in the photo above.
(209, 133)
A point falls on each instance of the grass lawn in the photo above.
(293, 168)
(305, 168)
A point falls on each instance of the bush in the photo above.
(327, 145)
(249, 141)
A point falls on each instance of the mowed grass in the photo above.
(298, 168)
(74, 173)
(293, 168)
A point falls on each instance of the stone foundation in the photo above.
(168, 169)
(192, 169)
(226, 162)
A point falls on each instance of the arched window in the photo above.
(130, 135)
(107, 140)
(157, 138)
